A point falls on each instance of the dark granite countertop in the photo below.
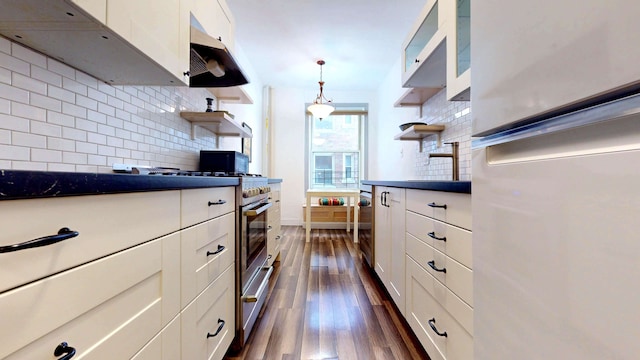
(448, 186)
(16, 184)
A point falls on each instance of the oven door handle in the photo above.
(261, 289)
(258, 211)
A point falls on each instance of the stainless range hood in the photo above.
(211, 63)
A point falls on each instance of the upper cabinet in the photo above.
(459, 51)
(117, 41)
(436, 54)
(536, 59)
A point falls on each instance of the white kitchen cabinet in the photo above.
(95, 8)
(389, 244)
(125, 285)
(459, 50)
(153, 27)
(208, 323)
(106, 309)
(105, 223)
(439, 277)
(274, 233)
(532, 59)
(424, 51)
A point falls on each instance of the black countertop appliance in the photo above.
(230, 162)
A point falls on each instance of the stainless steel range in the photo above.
(252, 271)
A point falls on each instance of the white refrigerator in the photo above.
(556, 179)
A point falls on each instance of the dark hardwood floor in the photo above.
(324, 303)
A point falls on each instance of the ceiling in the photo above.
(360, 40)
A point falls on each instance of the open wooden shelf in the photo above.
(231, 95)
(419, 132)
(415, 96)
(220, 123)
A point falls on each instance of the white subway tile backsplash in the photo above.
(87, 168)
(96, 117)
(123, 153)
(116, 142)
(60, 68)
(5, 137)
(5, 106)
(106, 130)
(28, 55)
(122, 95)
(12, 152)
(96, 138)
(97, 160)
(115, 102)
(74, 158)
(44, 155)
(121, 114)
(60, 119)
(87, 80)
(86, 148)
(5, 76)
(56, 143)
(14, 123)
(131, 145)
(14, 94)
(74, 134)
(97, 95)
(74, 110)
(47, 129)
(74, 86)
(14, 64)
(5, 45)
(123, 134)
(45, 102)
(29, 165)
(106, 109)
(86, 102)
(61, 94)
(28, 140)
(61, 167)
(106, 150)
(87, 125)
(107, 89)
(28, 111)
(49, 77)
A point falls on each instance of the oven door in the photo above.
(253, 240)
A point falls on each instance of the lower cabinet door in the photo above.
(208, 323)
(442, 336)
(164, 346)
(106, 309)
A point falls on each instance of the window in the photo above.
(336, 148)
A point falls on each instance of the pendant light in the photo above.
(318, 108)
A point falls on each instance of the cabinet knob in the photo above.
(417, 60)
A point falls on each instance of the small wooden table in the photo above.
(347, 193)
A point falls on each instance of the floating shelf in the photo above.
(232, 94)
(415, 96)
(419, 132)
(219, 122)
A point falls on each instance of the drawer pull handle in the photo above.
(432, 323)
(220, 249)
(221, 322)
(432, 264)
(64, 349)
(269, 227)
(434, 205)
(63, 234)
(278, 237)
(433, 236)
(219, 202)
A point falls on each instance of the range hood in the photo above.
(211, 63)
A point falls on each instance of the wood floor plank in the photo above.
(325, 303)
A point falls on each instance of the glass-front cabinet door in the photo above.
(459, 51)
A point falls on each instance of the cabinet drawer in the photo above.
(210, 311)
(458, 241)
(457, 211)
(107, 309)
(457, 277)
(105, 223)
(164, 346)
(207, 250)
(198, 205)
(423, 306)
